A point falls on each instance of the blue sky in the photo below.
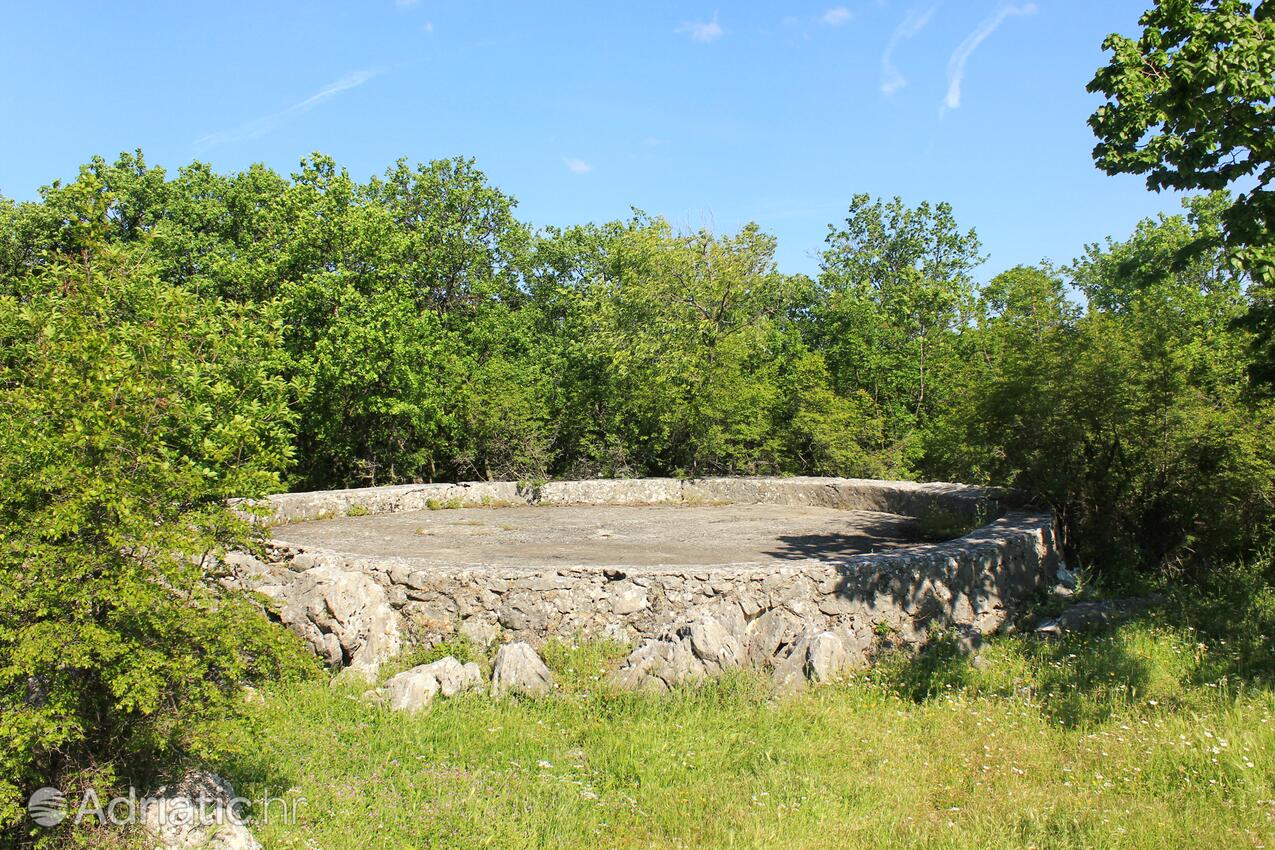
(708, 113)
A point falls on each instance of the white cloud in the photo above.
(836, 16)
(704, 31)
(576, 166)
(429, 26)
(963, 52)
(259, 127)
(891, 79)
(405, 4)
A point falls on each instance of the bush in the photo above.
(1132, 417)
(131, 410)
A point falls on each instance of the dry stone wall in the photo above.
(768, 610)
(898, 497)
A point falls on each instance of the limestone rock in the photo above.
(826, 657)
(627, 598)
(519, 670)
(481, 631)
(411, 690)
(636, 673)
(816, 656)
(712, 644)
(524, 612)
(659, 665)
(346, 616)
(789, 673)
(769, 634)
(199, 811)
(454, 677)
(415, 689)
(684, 653)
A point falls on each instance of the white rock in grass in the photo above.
(411, 690)
(199, 811)
(347, 618)
(817, 657)
(714, 645)
(519, 670)
(414, 689)
(453, 677)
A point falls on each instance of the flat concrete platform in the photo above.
(607, 535)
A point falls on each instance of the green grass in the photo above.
(1136, 738)
(451, 504)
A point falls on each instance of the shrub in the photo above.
(131, 411)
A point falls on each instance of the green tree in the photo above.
(1191, 104)
(132, 410)
(1129, 417)
(679, 353)
(894, 291)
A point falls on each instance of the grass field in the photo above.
(1141, 737)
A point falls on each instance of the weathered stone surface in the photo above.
(346, 617)
(519, 670)
(815, 656)
(415, 689)
(826, 658)
(659, 665)
(411, 690)
(771, 633)
(644, 668)
(200, 811)
(481, 630)
(358, 610)
(627, 598)
(702, 646)
(524, 612)
(453, 677)
(712, 644)
(620, 491)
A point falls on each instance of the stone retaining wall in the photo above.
(898, 497)
(358, 610)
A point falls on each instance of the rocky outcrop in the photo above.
(826, 658)
(200, 811)
(519, 670)
(815, 657)
(689, 652)
(346, 617)
(410, 690)
(707, 646)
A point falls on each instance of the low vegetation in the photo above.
(1152, 734)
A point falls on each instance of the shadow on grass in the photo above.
(1075, 680)
(255, 772)
(1232, 610)
(1206, 640)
